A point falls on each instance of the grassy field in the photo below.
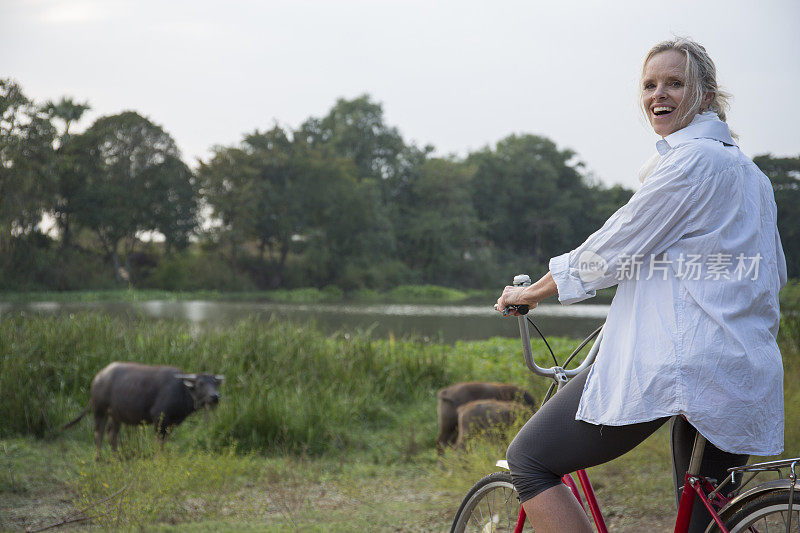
(314, 433)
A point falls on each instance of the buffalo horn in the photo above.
(186, 376)
(219, 377)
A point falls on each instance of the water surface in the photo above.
(445, 323)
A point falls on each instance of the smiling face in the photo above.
(663, 88)
(663, 91)
(679, 80)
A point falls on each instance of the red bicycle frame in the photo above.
(697, 485)
(588, 491)
(692, 485)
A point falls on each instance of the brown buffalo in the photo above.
(487, 415)
(131, 393)
(450, 398)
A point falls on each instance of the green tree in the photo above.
(225, 189)
(67, 111)
(599, 203)
(254, 192)
(386, 169)
(135, 182)
(355, 129)
(70, 179)
(283, 194)
(438, 230)
(172, 202)
(530, 196)
(784, 173)
(353, 238)
(27, 175)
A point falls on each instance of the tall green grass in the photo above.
(288, 388)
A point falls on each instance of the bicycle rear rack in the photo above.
(769, 466)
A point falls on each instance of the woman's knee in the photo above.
(529, 475)
(516, 454)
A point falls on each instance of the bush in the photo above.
(381, 275)
(789, 334)
(35, 262)
(790, 297)
(190, 271)
(431, 293)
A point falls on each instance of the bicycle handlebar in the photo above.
(559, 374)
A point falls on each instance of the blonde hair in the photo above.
(700, 78)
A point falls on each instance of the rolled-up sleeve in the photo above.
(655, 217)
(568, 281)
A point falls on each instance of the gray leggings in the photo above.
(552, 443)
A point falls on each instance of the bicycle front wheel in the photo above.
(764, 514)
(491, 506)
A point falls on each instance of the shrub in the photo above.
(34, 262)
(432, 293)
(191, 271)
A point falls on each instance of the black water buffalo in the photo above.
(131, 393)
(450, 398)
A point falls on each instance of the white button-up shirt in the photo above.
(698, 262)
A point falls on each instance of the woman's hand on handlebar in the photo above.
(515, 301)
(530, 295)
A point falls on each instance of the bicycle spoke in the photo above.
(474, 519)
(480, 519)
(485, 513)
(508, 509)
(775, 523)
(491, 509)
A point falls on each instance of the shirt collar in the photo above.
(705, 125)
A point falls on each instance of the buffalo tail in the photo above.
(70, 424)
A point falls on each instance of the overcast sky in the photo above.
(457, 74)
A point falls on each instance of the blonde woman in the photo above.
(690, 336)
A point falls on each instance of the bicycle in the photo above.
(492, 504)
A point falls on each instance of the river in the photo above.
(444, 323)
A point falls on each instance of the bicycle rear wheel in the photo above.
(491, 506)
(763, 514)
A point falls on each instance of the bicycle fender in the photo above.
(754, 492)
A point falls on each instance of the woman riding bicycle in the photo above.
(691, 333)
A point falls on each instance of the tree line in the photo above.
(342, 200)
